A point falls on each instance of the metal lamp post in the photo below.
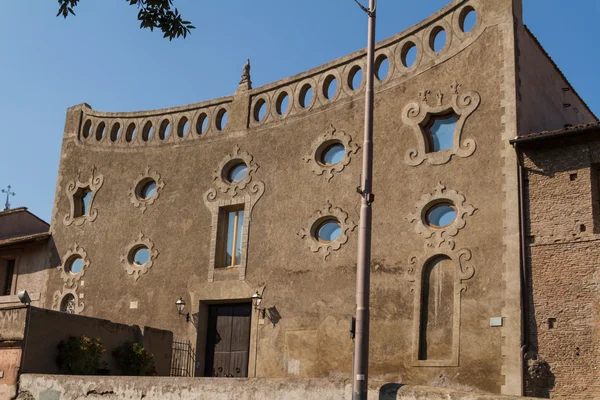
(360, 376)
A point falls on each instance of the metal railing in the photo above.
(183, 359)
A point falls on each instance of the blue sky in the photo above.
(101, 57)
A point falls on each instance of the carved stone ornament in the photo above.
(441, 195)
(418, 114)
(93, 184)
(322, 143)
(220, 174)
(315, 221)
(143, 178)
(463, 270)
(67, 276)
(68, 301)
(127, 258)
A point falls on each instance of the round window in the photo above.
(141, 256)
(148, 190)
(329, 230)
(441, 215)
(237, 173)
(75, 265)
(333, 154)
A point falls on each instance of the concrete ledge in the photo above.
(67, 387)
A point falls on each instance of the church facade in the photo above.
(255, 193)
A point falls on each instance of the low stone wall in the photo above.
(63, 387)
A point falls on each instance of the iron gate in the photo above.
(183, 359)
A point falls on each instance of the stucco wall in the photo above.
(40, 387)
(314, 295)
(547, 101)
(30, 273)
(564, 280)
(47, 328)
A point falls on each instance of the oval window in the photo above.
(75, 265)
(441, 215)
(333, 154)
(141, 256)
(237, 173)
(148, 190)
(329, 230)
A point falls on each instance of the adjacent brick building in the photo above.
(562, 246)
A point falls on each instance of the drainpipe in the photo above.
(523, 251)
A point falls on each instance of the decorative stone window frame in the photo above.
(252, 194)
(59, 297)
(330, 137)
(440, 195)
(220, 174)
(418, 114)
(464, 270)
(142, 178)
(69, 278)
(314, 222)
(94, 183)
(134, 270)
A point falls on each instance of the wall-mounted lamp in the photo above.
(24, 297)
(180, 307)
(256, 300)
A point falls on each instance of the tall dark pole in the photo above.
(360, 377)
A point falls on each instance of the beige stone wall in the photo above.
(70, 387)
(313, 294)
(563, 252)
(547, 101)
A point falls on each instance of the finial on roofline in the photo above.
(245, 82)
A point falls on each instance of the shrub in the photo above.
(80, 355)
(132, 359)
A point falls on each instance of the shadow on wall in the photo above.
(389, 391)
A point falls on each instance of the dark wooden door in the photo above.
(228, 340)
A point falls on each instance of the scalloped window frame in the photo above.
(73, 188)
(138, 270)
(145, 176)
(70, 279)
(330, 137)
(314, 222)
(417, 115)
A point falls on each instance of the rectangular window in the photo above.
(6, 277)
(82, 201)
(233, 227)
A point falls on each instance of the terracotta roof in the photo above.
(569, 130)
(13, 211)
(25, 239)
(21, 209)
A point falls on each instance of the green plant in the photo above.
(80, 355)
(133, 359)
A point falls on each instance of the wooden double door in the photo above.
(228, 340)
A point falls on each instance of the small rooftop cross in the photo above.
(8, 194)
